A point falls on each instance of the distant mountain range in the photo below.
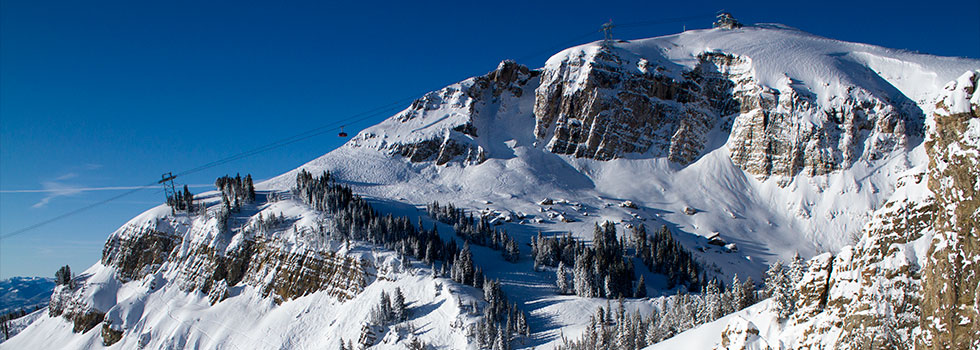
(17, 293)
(651, 172)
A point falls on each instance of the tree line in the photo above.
(477, 230)
(606, 269)
(619, 330)
(235, 191)
(355, 219)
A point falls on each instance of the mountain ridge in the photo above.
(504, 143)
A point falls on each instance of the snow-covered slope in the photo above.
(780, 141)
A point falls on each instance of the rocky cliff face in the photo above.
(441, 126)
(197, 256)
(867, 296)
(604, 103)
(911, 280)
(785, 131)
(951, 279)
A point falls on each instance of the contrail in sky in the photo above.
(86, 189)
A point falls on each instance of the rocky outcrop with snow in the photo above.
(603, 103)
(201, 254)
(445, 125)
(911, 279)
(685, 128)
(951, 278)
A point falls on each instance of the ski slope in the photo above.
(766, 219)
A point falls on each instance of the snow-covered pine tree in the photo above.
(779, 287)
(737, 299)
(712, 302)
(561, 278)
(583, 278)
(797, 267)
(399, 310)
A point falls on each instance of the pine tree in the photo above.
(712, 302)
(584, 280)
(398, 306)
(797, 267)
(738, 301)
(641, 288)
(63, 276)
(561, 278)
(748, 292)
(188, 199)
(779, 286)
(249, 188)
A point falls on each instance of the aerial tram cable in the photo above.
(353, 119)
(169, 177)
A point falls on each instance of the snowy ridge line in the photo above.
(719, 211)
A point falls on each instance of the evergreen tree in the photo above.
(738, 301)
(188, 199)
(779, 286)
(249, 188)
(561, 278)
(641, 288)
(797, 267)
(398, 305)
(63, 276)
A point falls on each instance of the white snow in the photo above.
(764, 219)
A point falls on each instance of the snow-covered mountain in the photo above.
(748, 145)
(18, 293)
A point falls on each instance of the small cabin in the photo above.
(715, 239)
(727, 21)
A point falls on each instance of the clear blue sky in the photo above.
(109, 94)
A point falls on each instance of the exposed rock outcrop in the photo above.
(786, 131)
(443, 123)
(888, 291)
(951, 279)
(605, 103)
(69, 301)
(197, 262)
(742, 334)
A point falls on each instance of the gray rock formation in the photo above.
(951, 278)
(886, 291)
(606, 104)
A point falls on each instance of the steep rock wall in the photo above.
(604, 104)
(951, 280)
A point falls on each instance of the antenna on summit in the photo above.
(607, 31)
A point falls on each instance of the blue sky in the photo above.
(100, 94)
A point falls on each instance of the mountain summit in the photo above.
(502, 211)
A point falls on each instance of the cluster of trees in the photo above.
(553, 251)
(269, 223)
(781, 285)
(661, 253)
(618, 330)
(355, 219)
(63, 276)
(479, 231)
(390, 310)
(6, 318)
(182, 200)
(502, 322)
(606, 269)
(601, 270)
(235, 191)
